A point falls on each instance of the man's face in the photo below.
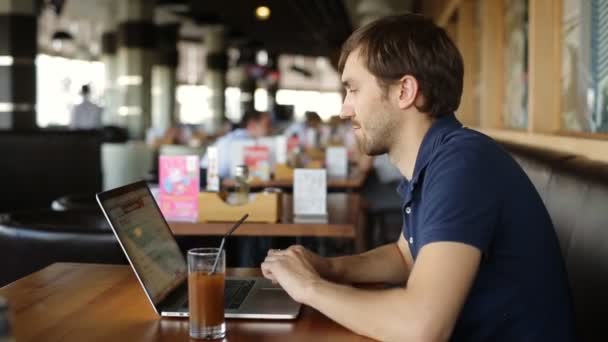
(262, 127)
(373, 117)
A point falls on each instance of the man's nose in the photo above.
(347, 111)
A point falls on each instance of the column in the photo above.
(466, 41)
(248, 83)
(109, 58)
(272, 81)
(215, 77)
(136, 43)
(18, 48)
(492, 48)
(544, 60)
(164, 78)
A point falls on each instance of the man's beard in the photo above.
(372, 146)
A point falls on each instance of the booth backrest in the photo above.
(575, 192)
(31, 240)
(38, 167)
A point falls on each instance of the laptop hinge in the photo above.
(174, 298)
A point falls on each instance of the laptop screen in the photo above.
(146, 238)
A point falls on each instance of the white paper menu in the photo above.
(310, 192)
(336, 161)
(271, 144)
(213, 178)
(237, 150)
(281, 149)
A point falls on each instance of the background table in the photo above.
(345, 220)
(353, 182)
(89, 302)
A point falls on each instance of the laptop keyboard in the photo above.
(235, 292)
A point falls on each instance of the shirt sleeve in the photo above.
(463, 198)
(205, 161)
(224, 156)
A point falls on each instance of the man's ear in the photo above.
(408, 91)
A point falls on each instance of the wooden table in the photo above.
(345, 220)
(89, 302)
(353, 182)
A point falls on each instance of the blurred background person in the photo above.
(253, 125)
(311, 132)
(86, 114)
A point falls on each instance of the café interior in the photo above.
(168, 79)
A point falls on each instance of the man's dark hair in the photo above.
(410, 44)
(312, 117)
(85, 90)
(251, 115)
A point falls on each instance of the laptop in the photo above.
(160, 267)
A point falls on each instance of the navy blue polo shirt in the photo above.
(465, 188)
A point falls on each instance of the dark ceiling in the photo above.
(307, 27)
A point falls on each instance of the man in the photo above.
(310, 133)
(478, 259)
(86, 115)
(253, 125)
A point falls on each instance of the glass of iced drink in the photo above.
(206, 293)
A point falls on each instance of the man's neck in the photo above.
(405, 150)
(251, 132)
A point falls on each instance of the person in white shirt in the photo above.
(311, 133)
(253, 125)
(86, 115)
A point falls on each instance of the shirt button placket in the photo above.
(408, 210)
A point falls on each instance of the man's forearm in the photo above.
(384, 264)
(387, 315)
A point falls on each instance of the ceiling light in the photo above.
(262, 57)
(262, 12)
(62, 35)
(60, 39)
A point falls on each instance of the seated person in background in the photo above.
(187, 135)
(253, 125)
(86, 114)
(226, 127)
(341, 134)
(478, 258)
(311, 133)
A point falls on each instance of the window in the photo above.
(58, 83)
(516, 64)
(193, 102)
(598, 113)
(233, 104)
(326, 104)
(260, 100)
(585, 66)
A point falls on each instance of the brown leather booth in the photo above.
(575, 192)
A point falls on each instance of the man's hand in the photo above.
(294, 270)
(321, 265)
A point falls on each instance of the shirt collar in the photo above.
(432, 139)
(240, 133)
(402, 188)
